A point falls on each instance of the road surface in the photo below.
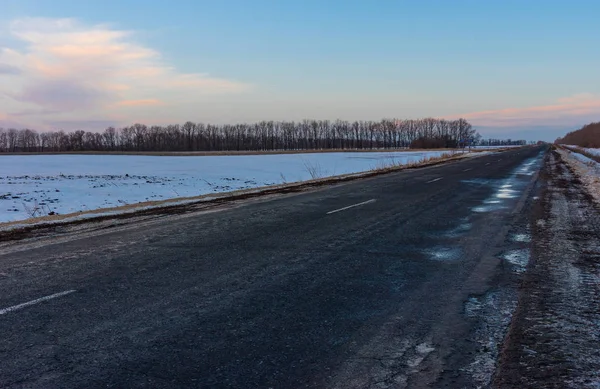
(402, 280)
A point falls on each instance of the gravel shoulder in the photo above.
(554, 338)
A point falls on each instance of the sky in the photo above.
(520, 69)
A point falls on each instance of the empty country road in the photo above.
(406, 279)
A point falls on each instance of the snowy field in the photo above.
(587, 150)
(586, 169)
(593, 151)
(39, 185)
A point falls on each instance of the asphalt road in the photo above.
(362, 284)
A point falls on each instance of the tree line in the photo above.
(262, 136)
(587, 136)
(503, 142)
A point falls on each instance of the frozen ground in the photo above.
(40, 185)
(554, 339)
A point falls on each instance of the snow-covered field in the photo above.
(593, 151)
(39, 185)
(587, 150)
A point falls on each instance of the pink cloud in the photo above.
(580, 106)
(85, 72)
(139, 103)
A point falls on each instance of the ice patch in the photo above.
(518, 258)
(487, 208)
(493, 311)
(510, 188)
(422, 351)
(507, 194)
(491, 201)
(458, 231)
(442, 253)
(524, 238)
(473, 306)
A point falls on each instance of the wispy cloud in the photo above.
(92, 72)
(139, 103)
(8, 69)
(577, 108)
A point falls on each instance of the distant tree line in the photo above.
(502, 142)
(587, 136)
(262, 136)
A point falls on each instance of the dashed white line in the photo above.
(33, 302)
(487, 164)
(351, 206)
(466, 170)
(437, 179)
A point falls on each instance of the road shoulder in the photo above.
(554, 338)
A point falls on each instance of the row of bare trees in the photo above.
(587, 136)
(503, 142)
(263, 136)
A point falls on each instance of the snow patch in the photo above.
(517, 258)
(586, 169)
(521, 238)
(442, 253)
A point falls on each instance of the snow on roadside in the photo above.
(592, 151)
(39, 185)
(586, 169)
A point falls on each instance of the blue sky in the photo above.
(509, 67)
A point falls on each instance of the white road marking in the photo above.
(351, 206)
(437, 179)
(36, 301)
(487, 164)
(466, 170)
